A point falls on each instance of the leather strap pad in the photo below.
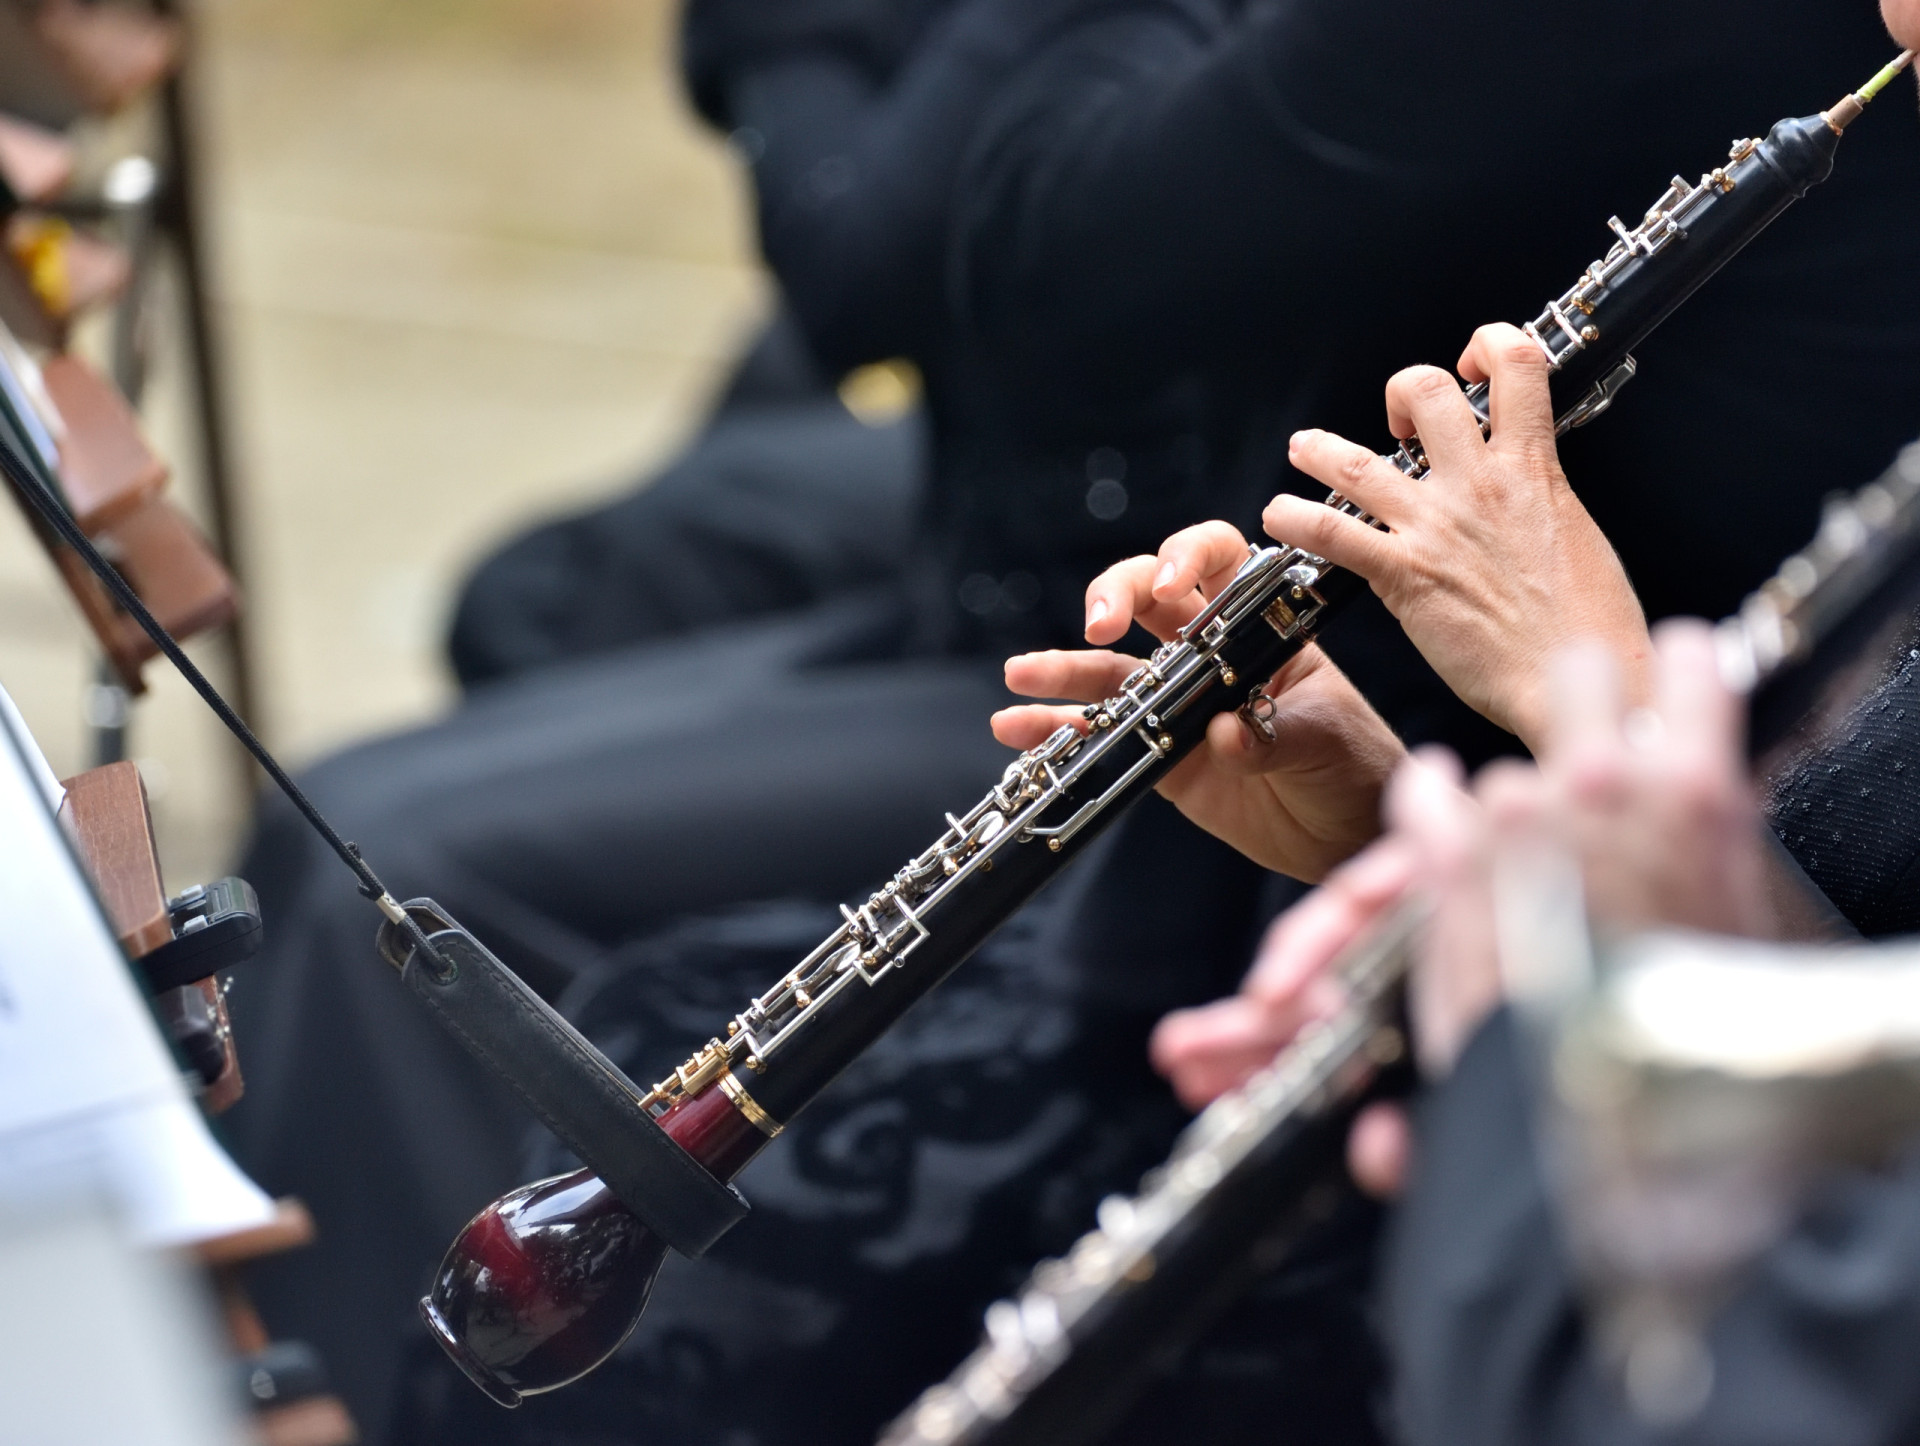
(575, 1090)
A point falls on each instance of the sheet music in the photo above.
(91, 1099)
(104, 1345)
(36, 761)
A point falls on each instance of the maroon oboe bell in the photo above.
(544, 1284)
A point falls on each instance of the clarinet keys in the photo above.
(1600, 396)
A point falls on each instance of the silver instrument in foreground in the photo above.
(1701, 1089)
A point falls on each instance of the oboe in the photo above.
(1065, 1357)
(543, 1285)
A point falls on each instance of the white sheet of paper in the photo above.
(36, 761)
(103, 1345)
(90, 1097)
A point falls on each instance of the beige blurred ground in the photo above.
(476, 263)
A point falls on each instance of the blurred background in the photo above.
(473, 262)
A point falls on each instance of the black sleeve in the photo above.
(1169, 187)
(1850, 812)
(1487, 1339)
(719, 39)
(854, 159)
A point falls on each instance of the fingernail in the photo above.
(1098, 612)
(1298, 440)
(1163, 577)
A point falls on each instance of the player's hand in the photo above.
(1492, 564)
(1299, 803)
(1654, 801)
(1435, 845)
(1208, 1050)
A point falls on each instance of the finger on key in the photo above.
(1357, 473)
(1429, 402)
(1028, 725)
(1088, 675)
(1519, 397)
(1326, 532)
(1205, 557)
(1123, 595)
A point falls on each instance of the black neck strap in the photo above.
(39, 494)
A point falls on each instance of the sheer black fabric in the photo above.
(1850, 814)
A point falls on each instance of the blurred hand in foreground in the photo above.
(1653, 802)
(1206, 1051)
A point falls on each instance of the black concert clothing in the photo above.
(780, 504)
(853, 178)
(1483, 1314)
(1254, 213)
(1850, 815)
